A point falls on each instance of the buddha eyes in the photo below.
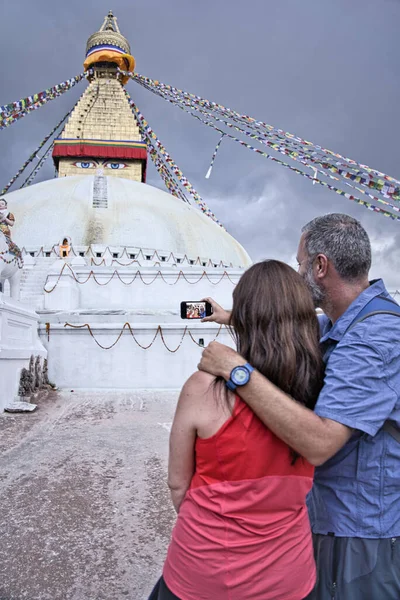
(115, 165)
(85, 164)
(89, 164)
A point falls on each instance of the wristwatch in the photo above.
(239, 376)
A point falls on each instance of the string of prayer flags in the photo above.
(277, 138)
(213, 157)
(154, 142)
(374, 184)
(40, 164)
(10, 113)
(294, 155)
(33, 155)
(379, 177)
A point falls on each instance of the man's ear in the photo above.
(321, 266)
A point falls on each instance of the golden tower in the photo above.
(102, 134)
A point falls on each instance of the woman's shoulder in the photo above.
(199, 385)
(208, 401)
(199, 379)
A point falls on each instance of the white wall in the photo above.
(18, 341)
(76, 361)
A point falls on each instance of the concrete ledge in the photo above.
(109, 359)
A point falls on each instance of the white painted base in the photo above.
(18, 341)
(77, 362)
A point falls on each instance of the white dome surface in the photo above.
(136, 215)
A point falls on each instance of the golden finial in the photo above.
(109, 45)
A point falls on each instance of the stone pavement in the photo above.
(85, 510)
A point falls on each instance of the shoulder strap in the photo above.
(380, 305)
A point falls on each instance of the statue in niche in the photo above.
(11, 261)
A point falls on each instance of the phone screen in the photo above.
(195, 309)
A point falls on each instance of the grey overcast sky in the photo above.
(326, 70)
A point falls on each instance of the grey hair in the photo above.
(343, 240)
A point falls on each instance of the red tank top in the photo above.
(243, 531)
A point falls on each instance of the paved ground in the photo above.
(85, 511)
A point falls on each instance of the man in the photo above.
(351, 436)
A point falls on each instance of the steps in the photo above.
(33, 281)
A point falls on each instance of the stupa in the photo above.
(107, 257)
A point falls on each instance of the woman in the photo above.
(242, 530)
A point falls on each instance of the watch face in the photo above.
(240, 375)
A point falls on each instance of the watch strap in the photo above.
(230, 385)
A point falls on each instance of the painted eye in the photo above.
(85, 164)
(115, 165)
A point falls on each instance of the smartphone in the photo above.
(195, 309)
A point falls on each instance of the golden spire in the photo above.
(110, 23)
(108, 35)
(108, 45)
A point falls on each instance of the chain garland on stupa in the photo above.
(10, 113)
(138, 275)
(128, 327)
(319, 160)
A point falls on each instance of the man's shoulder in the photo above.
(380, 331)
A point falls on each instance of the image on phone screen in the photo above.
(195, 309)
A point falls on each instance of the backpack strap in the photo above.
(380, 305)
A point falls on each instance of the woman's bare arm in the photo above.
(182, 440)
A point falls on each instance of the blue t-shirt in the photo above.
(356, 493)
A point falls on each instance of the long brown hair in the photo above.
(276, 329)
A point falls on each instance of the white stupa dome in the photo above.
(116, 212)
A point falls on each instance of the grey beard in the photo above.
(317, 293)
